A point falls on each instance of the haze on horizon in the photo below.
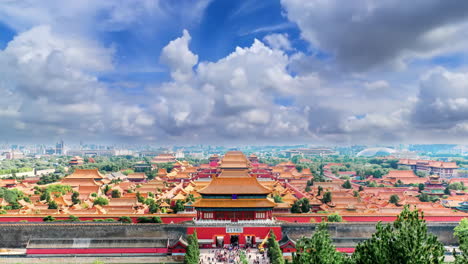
(213, 71)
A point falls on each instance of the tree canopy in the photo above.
(318, 249)
(405, 241)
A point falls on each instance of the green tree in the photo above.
(424, 197)
(74, 218)
(347, 185)
(327, 197)
(101, 201)
(307, 188)
(361, 188)
(296, 207)
(461, 232)
(274, 251)
(334, 218)
(320, 190)
(318, 249)
(404, 241)
(394, 199)
(456, 186)
(52, 205)
(45, 196)
(48, 219)
(178, 206)
(75, 198)
(305, 205)
(116, 194)
(277, 198)
(125, 219)
(447, 191)
(421, 187)
(192, 255)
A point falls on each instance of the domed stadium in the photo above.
(376, 152)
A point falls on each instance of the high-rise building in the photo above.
(59, 148)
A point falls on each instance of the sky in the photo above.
(222, 71)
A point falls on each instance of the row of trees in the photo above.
(405, 241)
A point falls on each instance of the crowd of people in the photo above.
(232, 254)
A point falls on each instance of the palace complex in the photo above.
(235, 199)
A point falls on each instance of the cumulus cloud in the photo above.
(179, 58)
(442, 101)
(369, 33)
(53, 89)
(232, 97)
(278, 41)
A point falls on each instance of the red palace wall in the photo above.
(77, 251)
(210, 233)
(302, 218)
(165, 219)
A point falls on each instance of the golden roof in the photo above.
(85, 174)
(230, 203)
(234, 182)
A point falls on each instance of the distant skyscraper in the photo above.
(59, 148)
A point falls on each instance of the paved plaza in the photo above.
(217, 256)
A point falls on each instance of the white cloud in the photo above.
(179, 58)
(278, 41)
(364, 34)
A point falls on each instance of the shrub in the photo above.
(335, 218)
(48, 219)
(125, 219)
(101, 201)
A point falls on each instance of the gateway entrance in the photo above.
(234, 240)
(249, 241)
(219, 241)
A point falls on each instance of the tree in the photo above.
(48, 219)
(305, 205)
(192, 255)
(320, 189)
(274, 251)
(424, 197)
(52, 205)
(334, 218)
(456, 186)
(75, 198)
(277, 198)
(153, 206)
(318, 249)
(461, 232)
(45, 196)
(394, 199)
(74, 218)
(125, 219)
(178, 206)
(347, 185)
(327, 197)
(296, 207)
(404, 241)
(361, 188)
(307, 188)
(101, 201)
(116, 194)
(447, 191)
(372, 184)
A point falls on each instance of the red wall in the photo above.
(67, 251)
(357, 218)
(287, 218)
(165, 219)
(211, 232)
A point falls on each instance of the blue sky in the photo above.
(218, 71)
